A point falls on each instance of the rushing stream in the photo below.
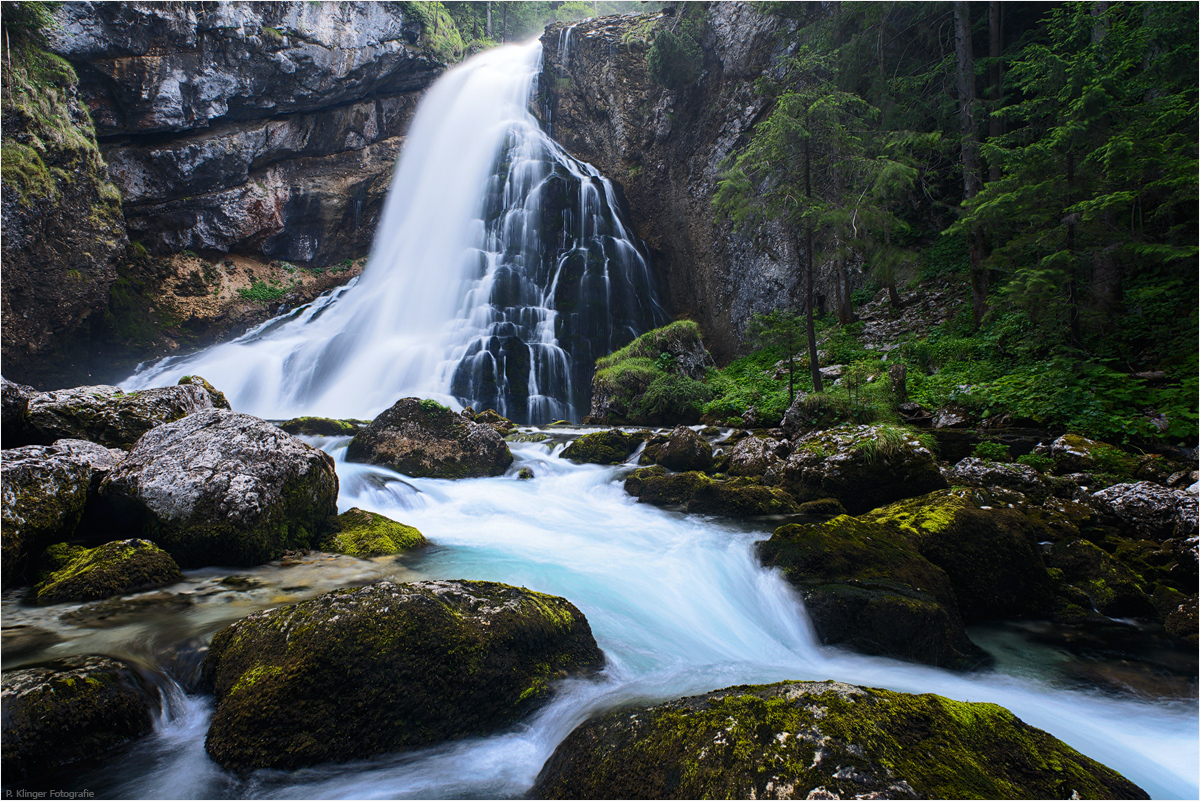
(463, 300)
(678, 603)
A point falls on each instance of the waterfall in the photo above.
(500, 270)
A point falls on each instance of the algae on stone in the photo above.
(361, 533)
(115, 568)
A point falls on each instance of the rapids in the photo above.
(678, 603)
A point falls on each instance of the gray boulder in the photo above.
(219, 487)
(753, 456)
(45, 491)
(1021, 478)
(72, 709)
(685, 450)
(422, 438)
(109, 416)
(1154, 511)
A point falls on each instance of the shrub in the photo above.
(992, 451)
(1038, 462)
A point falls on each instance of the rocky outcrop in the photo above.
(219, 487)
(820, 740)
(682, 450)
(109, 416)
(861, 466)
(387, 667)
(602, 447)
(653, 380)
(69, 710)
(665, 147)
(45, 491)
(321, 427)
(14, 400)
(63, 227)
(422, 438)
(358, 532)
(115, 568)
(753, 456)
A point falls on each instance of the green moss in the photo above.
(677, 336)
(114, 568)
(602, 447)
(320, 427)
(365, 534)
(439, 33)
(25, 173)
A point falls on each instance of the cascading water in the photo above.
(500, 270)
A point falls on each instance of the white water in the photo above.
(679, 604)
(458, 301)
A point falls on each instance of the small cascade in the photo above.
(501, 269)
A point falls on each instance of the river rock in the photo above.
(753, 456)
(115, 568)
(1075, 454)
(685, 450)
(1153, 511)
(321, 427)
(387, 667)
(602, 447)
(109, 416)
(358, 532)
(867, 588)
(219, 487)
(820, 740)
(14, 400)
(1112, 589)
(1021, 478)
(422, 438)
(700, 494)
(71, 709)
(861, 466)
(45, 491)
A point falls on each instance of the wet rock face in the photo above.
(820, 740)
(45, 491)
(387, 667)
(219, 487)
(14, 400)
(71, 709)
(109, 416)
(425, 439)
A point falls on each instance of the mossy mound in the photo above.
(700, 494)
(358, 532)
(71, 709)
(108, 416)
(821, 740)
(43, 495)
(1075, 454)
(1111, 588)
(990, 554)
(115, 568)
(656, 379)
(862, 466)
(827, 507)
(422, 438)
(602, 447)
(223, 488)
(866, 587)
(321, 427)
(387, 667)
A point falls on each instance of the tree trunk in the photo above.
(813, 363)
(995, 51)
(970, 148)
(489, 19)
(504, 25)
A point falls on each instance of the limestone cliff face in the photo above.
(263, 129)
(665, 148)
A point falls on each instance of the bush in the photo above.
(675, 57)
(992, 451)
(262, 292)
(1040, 463)
(671, 398)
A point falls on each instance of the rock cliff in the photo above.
(665, 148)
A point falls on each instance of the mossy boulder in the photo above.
(1075, 454)
(826, 507)
(867, 588)
(701, 494)
(223, 488)
(862, 466)
(1111, 588)
(753, 456)
(219, 401)
(358, 532)
(422, 438)
(71, 709)
(820, 740)
(46, 489)
(990, 554)
(498, 422)
(602, 447)
(387, 667)
(665, 489)
(115, 568)
(108, 416)
(321, 427)
(685, 450)
(656, 379)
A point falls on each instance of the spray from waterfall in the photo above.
(501, 269)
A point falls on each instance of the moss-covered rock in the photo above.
(422, 438)
(975, 472)
(862, 466)
(1111, 588)
(1151, 510)
(740, 497)
(44, 493)
(656, 379)
(219, 487)
(820, 740)
(72, 709)
(827, 507)
(866, 587)
(115, 568)
(358, 532)
(753, 456)
(666, 489)
(602, 447)
(321, 427)
(1184, 622)
(387, 667)
(498, 422)
(990, 554)
(685, 450)
(1075, 454)
(219, 401)
(109, 416)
